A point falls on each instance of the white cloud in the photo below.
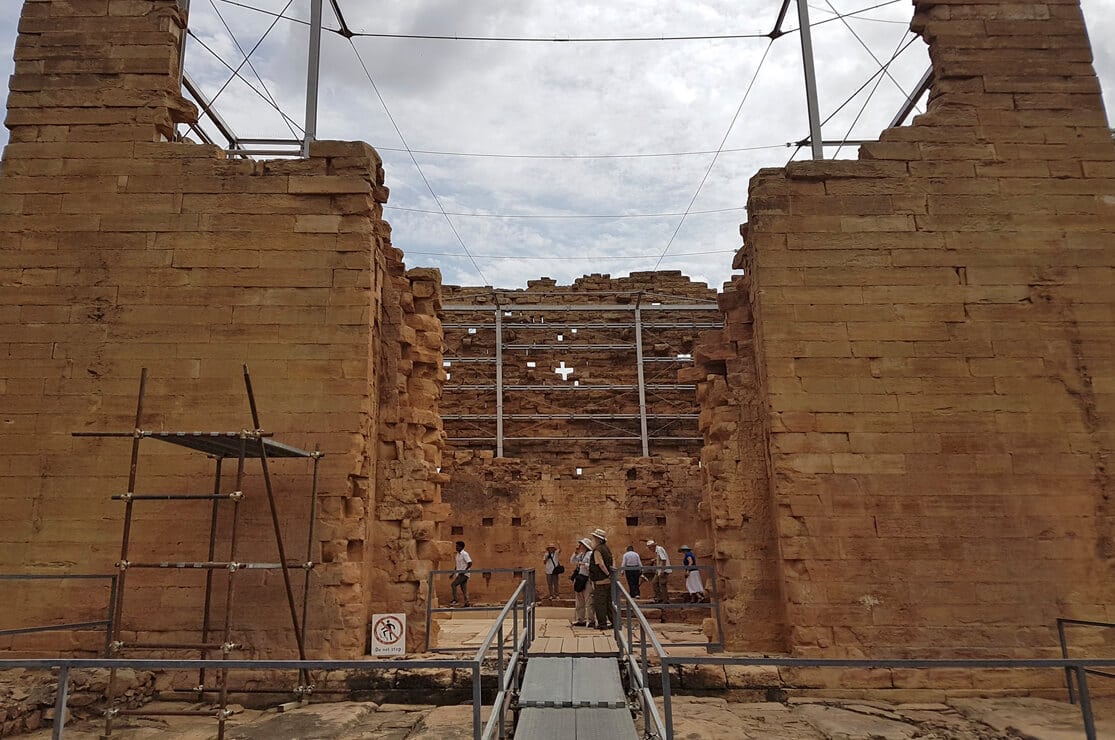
(567, 99)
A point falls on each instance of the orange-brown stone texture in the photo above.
(124, 250)
(923, 343)
(572, 444)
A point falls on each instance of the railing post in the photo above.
(644, 663)
(1085, 703)
(1065, 655)
(666, 708)
(60, 702)
(498, 707)
(477, 728)
(111, 614)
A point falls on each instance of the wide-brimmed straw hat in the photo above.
(598, 532)
(650, 543)
(586, 542)
(684, 547)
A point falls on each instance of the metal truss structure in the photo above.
(505, 351)
(248, 147)
(241, 446)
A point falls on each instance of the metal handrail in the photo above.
(106, 622)
(526, 574)
(1061, 623)
(708, 575)
(520, 607)
(507, 676)
(632, 613)
(1079, 667)
(639, 669)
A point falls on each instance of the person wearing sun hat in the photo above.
(693, 586)
(552, 563)
(578, 564)
(661, 572)
(600, 572)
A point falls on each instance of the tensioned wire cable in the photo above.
(605, 216)
(867, 100)
(871, 53)
(247, 58)
(859, 17)
(708, 170)
(239, 76)
(413, 159)
(582, 156)
(553, 39)
(583, 257)
(858, 90)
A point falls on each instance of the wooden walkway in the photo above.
(555, 635)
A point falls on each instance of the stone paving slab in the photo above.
(695, 718)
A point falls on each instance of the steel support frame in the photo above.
(641, 379)
(499, 380)
(499, 306)
(313, 74)
(232, 565)
(816, 144)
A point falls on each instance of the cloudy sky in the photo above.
(572, 152)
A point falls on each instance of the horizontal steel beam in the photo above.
(651, 386)
(598, 326)
(481, 360)
(528, 417)
(635, 438)
(579, 307)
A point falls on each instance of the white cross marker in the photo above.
(563, 371)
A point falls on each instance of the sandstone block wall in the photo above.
(123, 250)
(508, 509)
(934, 354)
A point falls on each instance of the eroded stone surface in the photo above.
(695, 718)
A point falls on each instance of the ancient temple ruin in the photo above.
(891, 433)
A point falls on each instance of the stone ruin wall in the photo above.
(123, 250)
(508, 509)
(930, 330)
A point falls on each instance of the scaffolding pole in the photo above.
(815, 142)
(499, 381)
(641, 379)
(313, 68)
(218, 445)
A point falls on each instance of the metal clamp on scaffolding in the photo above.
(242, 445)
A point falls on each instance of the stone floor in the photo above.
(695, 718)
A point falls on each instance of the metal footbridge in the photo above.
(564, 698)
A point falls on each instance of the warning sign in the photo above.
(389, 634)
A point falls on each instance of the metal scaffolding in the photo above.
(625, 313)
(253, 443)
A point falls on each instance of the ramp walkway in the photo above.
(565, 698)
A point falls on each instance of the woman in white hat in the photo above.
(578, 567)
